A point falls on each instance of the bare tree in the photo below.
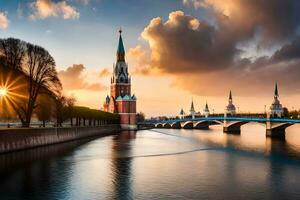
(40, 68)
(13, 51)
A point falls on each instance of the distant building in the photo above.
(192, 110)
(120, 100)
(206, 110)
(230, 108)
(276, 108)
(181, 114)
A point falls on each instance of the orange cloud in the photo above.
(73, 79)
(140, 58)
(43, 9)
(3, 20)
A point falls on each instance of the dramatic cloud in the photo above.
(185, 44)
(209, 58)
(73, 79)
(140, 59)
(273, 19)
(3, 20)
(43, 9)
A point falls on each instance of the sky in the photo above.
(177, 50)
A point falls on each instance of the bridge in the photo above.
(275, 127)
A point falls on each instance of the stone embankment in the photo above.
(15, 139)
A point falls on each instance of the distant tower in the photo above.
(181, 114)
(230, 108)
(192, 110)
(121, 101)
(276, 108)
(206, 110)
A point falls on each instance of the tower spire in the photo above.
(121, 49)
(276, 94)
(192, 106)
(230, 96)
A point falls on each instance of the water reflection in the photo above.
(161, 164)
(252, 139)
(32, 173)
(121, 164)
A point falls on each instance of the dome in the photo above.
(230, 107)
(126, 97)
(118, 98)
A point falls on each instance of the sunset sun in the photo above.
(3, 92)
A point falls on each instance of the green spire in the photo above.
(276, 90)
(121, 46)
(121, 50)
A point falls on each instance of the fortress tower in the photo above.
(120, 100)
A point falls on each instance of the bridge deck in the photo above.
(247, 119)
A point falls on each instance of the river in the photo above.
(158, 164)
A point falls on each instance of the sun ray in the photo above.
(13, 93)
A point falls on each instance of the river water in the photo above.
(158, 164)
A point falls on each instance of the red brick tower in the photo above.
(121, 101)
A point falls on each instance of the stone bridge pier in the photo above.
(233, 127)
(276, 129)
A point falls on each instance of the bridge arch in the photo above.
(167, 125)
(176, 125)
(187, 125)
(217, 122)
(202, 125)
(233, 126)
(159, 125)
